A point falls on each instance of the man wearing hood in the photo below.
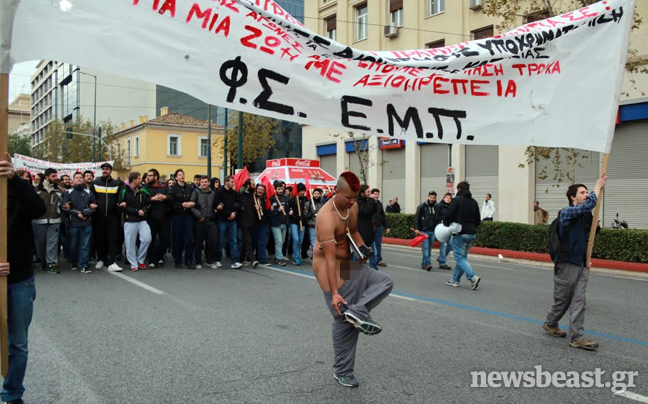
(463, 210)
(47, 227)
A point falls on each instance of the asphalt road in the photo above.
(264, 336)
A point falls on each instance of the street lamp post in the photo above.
(239, 163)
(209, 142)
(94, 119)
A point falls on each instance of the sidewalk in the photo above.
(521, 255)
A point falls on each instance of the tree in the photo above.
(19, 144)
(362, 151)
(108, 132)
(565, 160)
(257, 137)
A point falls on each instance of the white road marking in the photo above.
(403, 297)
(292, 273)
(633, 396)
(136, 282)
(472, 263)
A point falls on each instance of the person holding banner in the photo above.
(107, 222)
(571, 271)
(296, 212)
(351, 289)
(23, 206)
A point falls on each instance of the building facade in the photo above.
(409, 170)
(62, 91)
(166, 143)
(19, 114)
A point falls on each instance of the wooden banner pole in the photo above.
(599, 202)
(4, 139)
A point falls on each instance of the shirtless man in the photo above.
(351, 289)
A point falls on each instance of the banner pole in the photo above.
(4, 138)
(599, 202)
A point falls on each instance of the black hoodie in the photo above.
(23, 206)
(465, 211)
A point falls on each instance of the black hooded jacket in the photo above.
(464, 210)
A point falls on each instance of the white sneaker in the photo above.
(218, 264)
(198, 266)
(236, 265)
(114, 268)
(99, 265)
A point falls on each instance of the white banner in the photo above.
(35, 166)
(554, 82)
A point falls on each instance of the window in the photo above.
(174, 145)
(482, 33)
(362, 17)
(203, 147)
(331, 28)
(436, 6)
(396, 12)
(136, 146)
(537, 16)
(436, 44)
(128, 151)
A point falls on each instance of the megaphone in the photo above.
(443, 233)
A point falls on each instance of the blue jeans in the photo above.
(182, 232)
(373, 261)
(461, 244)
(312, 238)
(378, 235)
(443, 254)
(297, 239)
(426, 248)
(20, 306)
(227, 228)
(260, 242)
(279, 234)
(79, 239)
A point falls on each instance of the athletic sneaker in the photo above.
(237, 265)
(450, 282)
(554, 331)
(74, 267)
(280, 262)
(382, 264)
(444, 266)
(475, 282)
(347, 381)
(141, 266)
(247, 263)
(86, 271)
(367, 327)
(297, 263)
(114, 268)
(51, 269)
(198, 266)
(99, 265)
(218, 264)
(255, 264)
(134, 269)
(152, 265)
(161, 262)
(584, 343)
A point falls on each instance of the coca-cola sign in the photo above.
(303, 163)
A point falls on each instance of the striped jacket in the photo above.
(106, 192)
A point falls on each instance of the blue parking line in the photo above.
(486, 311)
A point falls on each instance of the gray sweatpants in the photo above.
(46, 238)
(365, 290)
(570, 284)
(131, 231)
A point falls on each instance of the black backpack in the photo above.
(554, 238)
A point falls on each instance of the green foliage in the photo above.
(19, 144)
(257, 137)
(610, 244)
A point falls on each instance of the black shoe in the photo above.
(51, 269)
(446, 267)
(178, 266)
(18, 401)
(191, 266)
(74, 267)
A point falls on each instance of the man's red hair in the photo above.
(352, 180)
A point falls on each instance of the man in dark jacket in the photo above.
(182, 220)
(23, 205)
(79, 204)
(260, 231)
(277, 218)
(442, 210)
(135, 203)
(296, 206)
(366, 212)
(247, 220)
(465, 211)
(158, 218)
(107, 221)
(48, 226)
(380, 225)
(571, 270)
(311, 208)
(393, 206)
(227, 207)
(425, 221)
(205, 231)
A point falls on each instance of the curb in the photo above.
(599, 263)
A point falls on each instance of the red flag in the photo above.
(269, 190)
(308, 191)
(240, 178)
(294, 191)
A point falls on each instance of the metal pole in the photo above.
(225, 144)
(94, 121)
(239, 149)
(209, 142)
